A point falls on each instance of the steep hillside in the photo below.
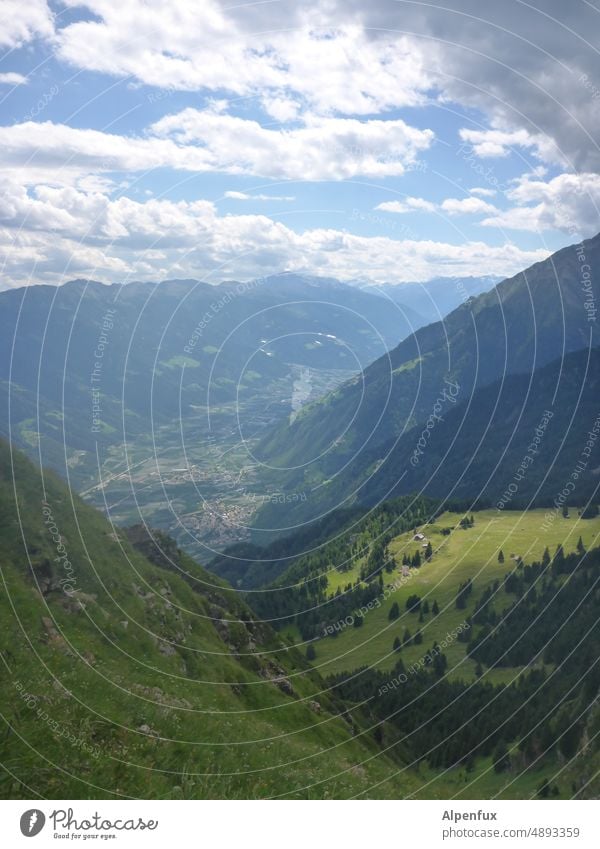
(128, 671)
(517, 442)
(526, 322)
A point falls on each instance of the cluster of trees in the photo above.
(544, 713)
(408, 639)
(413, 604)
(464, 591)
(309, 606)
(548, 616)
(300, 596)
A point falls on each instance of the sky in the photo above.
(385, 141)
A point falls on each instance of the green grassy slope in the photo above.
(504, 606)
(464, 554)
(125, 677)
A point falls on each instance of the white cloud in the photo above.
(466, 206)
(321, 149)
(484, 193)
(58, 231)
(61, 153)
(245, 196)
(12, 78)
(496, 143)
(208, 140)
(193, 46)
(536, 84)
(21, 21)
(409, 204)
(283, 109)
(453, 206)
(569, 203)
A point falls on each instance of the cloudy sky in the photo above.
(388, 140)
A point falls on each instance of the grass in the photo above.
(96, 667)
(463, 554)
(135, 648)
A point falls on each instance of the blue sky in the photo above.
(142, 140)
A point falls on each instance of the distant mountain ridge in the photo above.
(437, 297)
(170, 348)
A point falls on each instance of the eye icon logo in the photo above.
(32, 822)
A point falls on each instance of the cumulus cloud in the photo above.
(409, 204)
(208, 140)
(484, 193)
(452, 206)
(321, 149)
(21, 22)
(61, 152)
(533, 83)
(569, 203)
(12, 78)
(193, 46)
(60, 230)
(466, 206)
(499, 143)
(526, 67)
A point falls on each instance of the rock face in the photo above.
(274, 673)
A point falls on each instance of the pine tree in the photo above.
(418, 638)
(435, 608)
(394, 612)
(413, 603)
(425, 607)
(558, 560)
(580, 546)
(397, 644)
(500, 556)
(406, 637)
(311, 652)
(428, 552)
